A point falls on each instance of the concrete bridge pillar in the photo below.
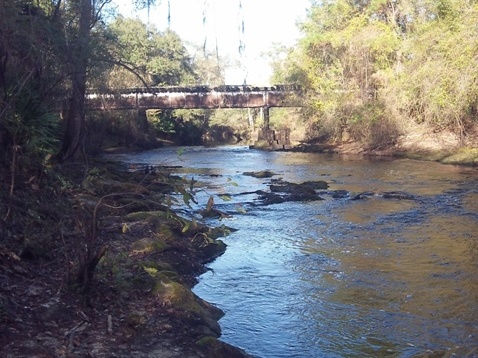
(250, 117)
(142, 118)
(265, 117)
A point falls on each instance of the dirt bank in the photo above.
(444, 147)
(139, 261)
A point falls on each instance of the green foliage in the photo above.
(438, 82)
(400, 61)
(28, 69)
(30, 133)
(209, 69)
(161, 58)
(183, 125)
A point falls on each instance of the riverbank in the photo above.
(140, 261)
(139, 301)
(443, 147)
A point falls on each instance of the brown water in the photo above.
(340, 277)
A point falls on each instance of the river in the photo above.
(340, 277)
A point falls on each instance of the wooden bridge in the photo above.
(193, 97)
(201, 97)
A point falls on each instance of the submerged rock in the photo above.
(262, 174)
(400, 195)
(363, 195)
(340, 194)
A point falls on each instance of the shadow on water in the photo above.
(375, 277)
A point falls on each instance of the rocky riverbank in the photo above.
(96, 263)
(94, 260)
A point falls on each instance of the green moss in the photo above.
(181, 297)
(220, 231)
(213, 347)
(146, 216)
(207, 341)
(158, 265)
(159, 269)
(261, 144)
(135, 319)
(177, 295)
(164, 230)
(463, 156)
(149, 245)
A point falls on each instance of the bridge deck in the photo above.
(193, 97)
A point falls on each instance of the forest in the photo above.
(375, 70)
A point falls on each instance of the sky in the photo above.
(265, 22)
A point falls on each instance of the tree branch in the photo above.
(129, 68)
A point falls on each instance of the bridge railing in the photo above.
(198, 89)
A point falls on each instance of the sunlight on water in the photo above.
(373, 277)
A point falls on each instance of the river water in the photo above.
(340, 277)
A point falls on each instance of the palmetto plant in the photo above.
(30, 135)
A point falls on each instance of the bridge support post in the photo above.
(143, 119)
(265, 112)
(250, 117)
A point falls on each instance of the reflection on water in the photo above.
(343, 278)
(369, 211)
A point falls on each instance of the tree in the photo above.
(340, 57)
(209, 68)
(78, 57)
(30, 71)
(375, 66)
(140, 50)
(80, 17)
(437, 82)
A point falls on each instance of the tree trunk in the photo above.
(74, 126)
(79, 55)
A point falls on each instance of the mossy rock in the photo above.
(162, 224)
(211, 250)
(149, 245)
(180, 297)
(158, 270)
(281, 186)
(164, 231)
(159, 265)
(136, 319)
(175, 294)
(146, 215)
(220, 231)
